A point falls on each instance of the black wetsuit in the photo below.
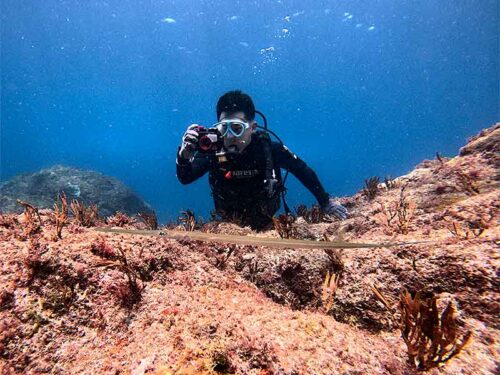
(238, 186)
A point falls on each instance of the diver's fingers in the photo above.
(194, 133)
(190, 136)
(190, 140)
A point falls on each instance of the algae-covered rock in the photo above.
(102, 302)
(41, 189)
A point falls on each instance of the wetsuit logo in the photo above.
(245, 173)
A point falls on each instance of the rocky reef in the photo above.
(107, 303)
(41, 189)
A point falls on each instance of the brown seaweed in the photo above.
(149, 219)
(313, 215)
(330, 286)
(371, 187)
(284, 225)
(188, 220)
(32, 220)
(431, 339)
(84, 216)
(60, 215)
(396, 216)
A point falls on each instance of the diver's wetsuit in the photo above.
(238, 186)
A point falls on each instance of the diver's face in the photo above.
(233, 143)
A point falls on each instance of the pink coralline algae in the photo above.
(107, 303)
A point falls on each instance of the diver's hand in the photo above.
(189, 142)
(335, 209)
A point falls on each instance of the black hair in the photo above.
(236, 101)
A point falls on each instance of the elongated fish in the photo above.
(252, 240)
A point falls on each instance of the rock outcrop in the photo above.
(116, 303)
(42, 188)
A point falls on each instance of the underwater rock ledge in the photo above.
(109, 303)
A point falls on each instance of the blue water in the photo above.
(355, 88)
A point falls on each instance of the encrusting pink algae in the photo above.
(89, 302)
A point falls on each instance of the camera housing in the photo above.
(209, 140)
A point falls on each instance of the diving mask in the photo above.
(236, 127)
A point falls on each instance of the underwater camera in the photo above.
(209, 140)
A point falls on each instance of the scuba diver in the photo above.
(244, 165)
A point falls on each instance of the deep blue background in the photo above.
(356, 88)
